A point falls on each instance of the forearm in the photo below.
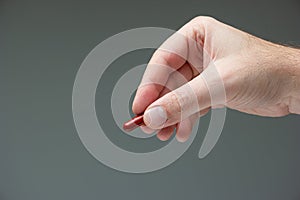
(293, 69)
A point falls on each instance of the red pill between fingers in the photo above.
(133, 123)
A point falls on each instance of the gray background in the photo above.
(42, 44)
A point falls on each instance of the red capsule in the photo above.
(133, 123)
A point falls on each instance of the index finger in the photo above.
(167, 59)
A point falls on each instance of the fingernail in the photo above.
(155, 117)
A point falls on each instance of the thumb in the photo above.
(178, 104)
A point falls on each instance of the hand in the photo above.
(259, 77)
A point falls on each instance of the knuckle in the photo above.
(173, 105)
(203, 19)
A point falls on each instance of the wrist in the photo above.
(292, 69)
(294, 72)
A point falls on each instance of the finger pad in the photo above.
(144, 97)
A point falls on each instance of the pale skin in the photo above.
(260, 78)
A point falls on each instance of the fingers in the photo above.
(183, 129)
(165, 133)
(177, 105)
(183, 46)
(182, 52)
(157, 73)
(178, 78)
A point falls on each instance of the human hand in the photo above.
(259, 77)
